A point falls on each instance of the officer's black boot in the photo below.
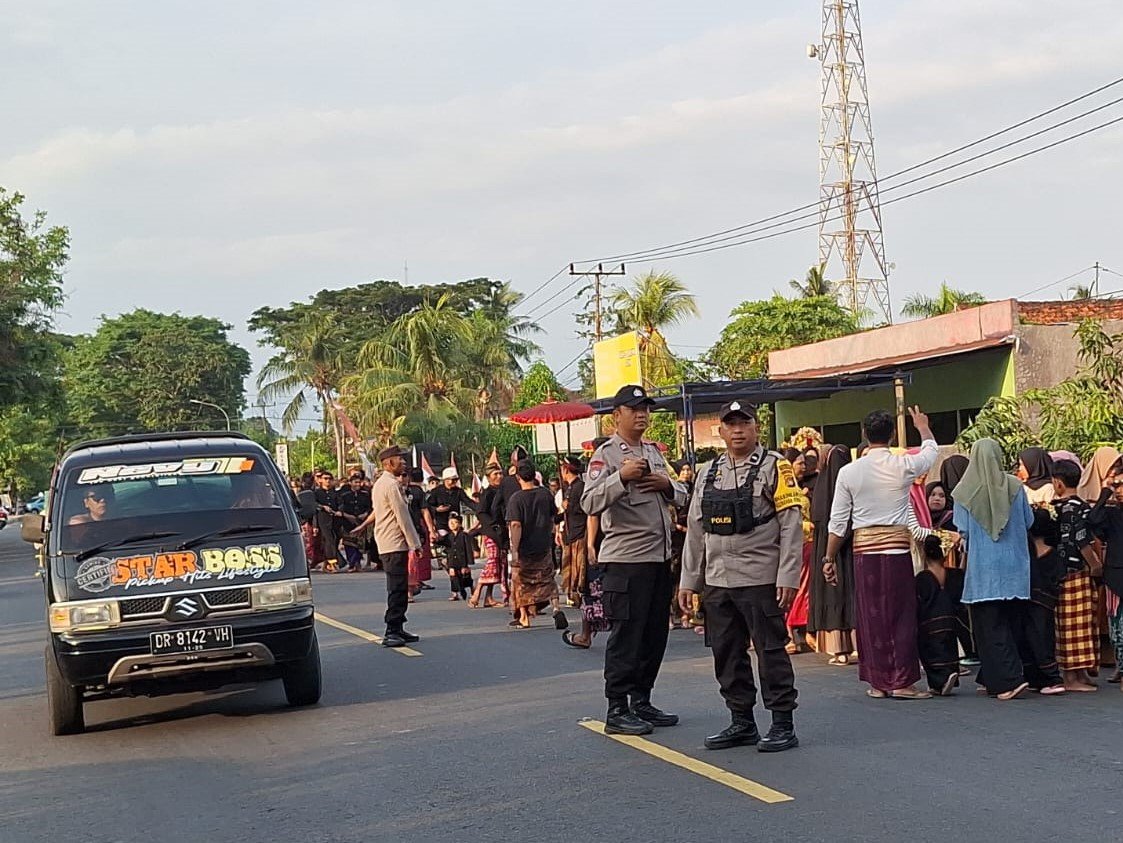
(621, 721)
(782, 734)
(741, 732)
(644, 710)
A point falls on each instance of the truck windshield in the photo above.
(177, 498)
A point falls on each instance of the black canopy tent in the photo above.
(688, 400)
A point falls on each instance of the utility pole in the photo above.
(850, 233)
(597, 274)
(1096, 280)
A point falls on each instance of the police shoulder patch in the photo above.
(788, 493)
(596, 469)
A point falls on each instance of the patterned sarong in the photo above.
(1077, 644)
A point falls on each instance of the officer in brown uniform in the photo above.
(629, 487)
(744, 543)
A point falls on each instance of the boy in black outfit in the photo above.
(461, 555)
(1037, 641)
(1077, 651)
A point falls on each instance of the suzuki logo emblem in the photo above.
(186, 607)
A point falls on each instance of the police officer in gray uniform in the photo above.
(744, 543)
(629, 487)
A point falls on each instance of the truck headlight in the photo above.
(278, 595)
(86, 615)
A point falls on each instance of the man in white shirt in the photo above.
(872, 500)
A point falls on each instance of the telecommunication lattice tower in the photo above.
(851, 243)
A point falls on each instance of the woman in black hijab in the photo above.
(831, 619)
(810, 470)
(1035, 470)
(951, 472)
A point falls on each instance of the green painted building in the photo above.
(954, 364)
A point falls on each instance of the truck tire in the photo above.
(302, 678)
(64, 702)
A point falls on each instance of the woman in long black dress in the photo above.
(831, 617)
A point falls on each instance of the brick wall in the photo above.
(1061, 312)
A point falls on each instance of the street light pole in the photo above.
(225, 414)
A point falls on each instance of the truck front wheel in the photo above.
(63, 701)
(302, 678)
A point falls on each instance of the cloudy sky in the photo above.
(213, 157)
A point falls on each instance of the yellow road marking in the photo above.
(709, 771)
(366, 636)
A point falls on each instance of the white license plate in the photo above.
(191, 640)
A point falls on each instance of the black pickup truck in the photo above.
(173, 562)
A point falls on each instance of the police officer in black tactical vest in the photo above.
(743, 552)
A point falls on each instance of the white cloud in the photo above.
(530, 161)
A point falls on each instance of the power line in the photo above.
(786, 218)
(752, 225)
(541, 286)
(576, 359)
(815, 214)
(1055, 283)
(555, 309)
(538, 308)
(928, 189)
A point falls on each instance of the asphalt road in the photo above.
(478, 739)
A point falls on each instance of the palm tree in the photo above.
(656, 301)
(814, 284)
(946, 300)
(499, 347)
(415, 369)
(1081, 291)
(309, 359)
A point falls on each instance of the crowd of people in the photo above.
(1014, 573)
(905, 562)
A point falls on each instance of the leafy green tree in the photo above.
(367, 310)
(538, 384)
(946, 300)
(1003, 420)
(1080, 291)
(143, 370)
(29, 443)
(758, 327)
(1079, 414)
(312, 450)
(32, 258)
(814, 283)
(260, 431)
(504, 437)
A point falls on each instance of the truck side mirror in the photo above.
(31, 528)
(306, 505)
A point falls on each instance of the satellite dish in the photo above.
(812, 51)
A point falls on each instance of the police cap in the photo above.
(632, 395)
(738, 408)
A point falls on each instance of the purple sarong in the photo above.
(885, 606)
